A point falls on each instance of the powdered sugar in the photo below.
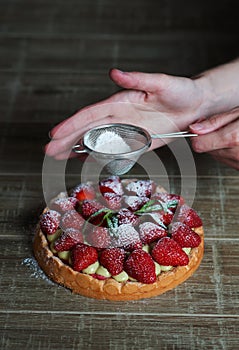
(111, 143)
(36, 270)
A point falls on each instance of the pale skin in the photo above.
(206, 105)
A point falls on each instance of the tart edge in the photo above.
(110, 289)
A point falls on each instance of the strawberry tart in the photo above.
(119, 239)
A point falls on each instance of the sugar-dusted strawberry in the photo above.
(50, 221)
(111, 184)
(141, 188)
(184, 235)
(83, 191)
(164, 217)
(90, 207)
(82, 256)
(68, 239)
(62, 205)
(112, 200)
(150, 232)
(98, 237)
(113, 260)
(189, 216)
(140, 266)
(169, 253)
(127, 237)
(172, 200)
(135, 202)
(126, 216)
(72, 219)
(93, 211)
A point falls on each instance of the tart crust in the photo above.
(110, 289)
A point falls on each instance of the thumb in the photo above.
(148, 82)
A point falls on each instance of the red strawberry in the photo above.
(169, 198)
(99, 277)
(184, 235)
(126, 216)
(72, 219)
(150, 232)
(69, 238)
(113, 260)
(90, 207)
(134, 202)
(98, 237)
(140, 266)
(164, 217)
(62, 205)
(111, 184)
(94, 212)
(82, 256)
(112, 200)
(189, 216)
(169, 253)
(126, 237)
(141, 188)
(83, 191)
(50, 221)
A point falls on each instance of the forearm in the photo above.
(220, 88)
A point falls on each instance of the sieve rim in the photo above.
(135, 128)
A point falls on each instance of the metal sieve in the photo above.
(136, 139)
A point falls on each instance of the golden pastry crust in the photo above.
(110, 289)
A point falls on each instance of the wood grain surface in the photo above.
(54, 59)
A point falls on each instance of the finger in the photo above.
(120, 104)
(148, 82)
(226, 137)
(215, 122)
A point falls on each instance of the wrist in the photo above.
(208, 98)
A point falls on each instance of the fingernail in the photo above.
(196, 126)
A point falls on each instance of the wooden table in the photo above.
(54, 59)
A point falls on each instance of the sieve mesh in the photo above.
(136, 138)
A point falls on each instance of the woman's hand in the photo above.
(159, 103)
(219, 136)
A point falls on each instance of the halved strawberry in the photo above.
(83, 191)
(112, 184)
(150, 232)
(62, 205)
(72, 219)
(98, 237)
(141, 188)
(68, 239)
(168, 252)
(135, 202)
(112, 200)
(126, 216)
(189, 216)
(82, 256)
(140, 266)
(50, 221)
(184, 235)
(113, 260)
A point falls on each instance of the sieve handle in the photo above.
(79, 148)
(173, 134)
